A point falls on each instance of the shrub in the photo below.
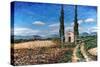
(90, 42)
(56, 40)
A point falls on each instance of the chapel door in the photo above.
(69, 39)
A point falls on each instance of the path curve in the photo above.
(74, 55)
(82, 48)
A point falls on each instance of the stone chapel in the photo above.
(69, 36)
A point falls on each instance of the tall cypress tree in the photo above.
(76, 32)
(61, 30)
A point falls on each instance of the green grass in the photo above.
(90, 42)
(66, 57)
(79, 54)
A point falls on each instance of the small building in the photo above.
(69, 36)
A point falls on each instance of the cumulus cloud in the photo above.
(92, 29)
(54, 28)
(70, 28)
(79, 22)
(88, 30)
(89, 20)
(54, 25)
(25, 31)
(72, 24)
(38, 23)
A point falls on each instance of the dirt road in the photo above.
(74, 55)
(82, 48)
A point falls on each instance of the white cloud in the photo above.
(70, 28)
(80, 21)
(54, 28)
(89, 20)
(72, 24)
(38, 23)
(89, 30)
(54, 25)
(92, 29)
(25, 31)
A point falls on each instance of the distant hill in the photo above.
(84, 34)
(49, 36)
(54, 36)
(94, 33)
(88, 34)
(27, 37)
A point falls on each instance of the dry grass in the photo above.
(38, 56)
(38, 52)
(93, 51)
(34, 44)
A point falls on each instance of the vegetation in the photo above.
(79, 54)
(66, 57)
(76, 31)
(21, 40)
(27, 40)
(61, 30)
(70, 45)
(41, 55)
(51, 52)
(90, 41)
(56, 41)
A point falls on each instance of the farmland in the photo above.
(51, 51)
(38, 52)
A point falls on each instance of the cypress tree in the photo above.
(61, 30)
(76, 32)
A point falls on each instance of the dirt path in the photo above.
(74, 55)
(75, 58)
(82, 48)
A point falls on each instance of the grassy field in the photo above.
(90, 41)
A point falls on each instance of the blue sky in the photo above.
(43, 19)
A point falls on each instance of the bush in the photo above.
(56, 40)
(90, 42)
(66, 57)
(20, 40)
(79, 54)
